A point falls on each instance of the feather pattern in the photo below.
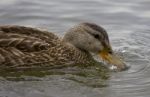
(24, 46)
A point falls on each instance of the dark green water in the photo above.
(128, 26)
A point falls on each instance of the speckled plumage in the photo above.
(24, 46)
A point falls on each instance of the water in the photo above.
(127, 23)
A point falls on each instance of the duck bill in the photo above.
(113, 59)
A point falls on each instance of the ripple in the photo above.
(135, 81)
(127, 23)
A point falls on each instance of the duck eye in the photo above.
(96, 36)
(110, 52)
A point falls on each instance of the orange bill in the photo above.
(113, 59)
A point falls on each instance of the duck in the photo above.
(22, 46)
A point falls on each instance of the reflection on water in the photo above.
(127, 23)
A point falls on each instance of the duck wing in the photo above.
(26, 38)
(17, 42)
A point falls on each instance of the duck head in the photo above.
(92, 38)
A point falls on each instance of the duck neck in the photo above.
(79, 55)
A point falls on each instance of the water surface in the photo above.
(127, 23)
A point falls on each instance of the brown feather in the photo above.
(24, 46)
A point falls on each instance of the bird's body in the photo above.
(24, 46)
(28, 47)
